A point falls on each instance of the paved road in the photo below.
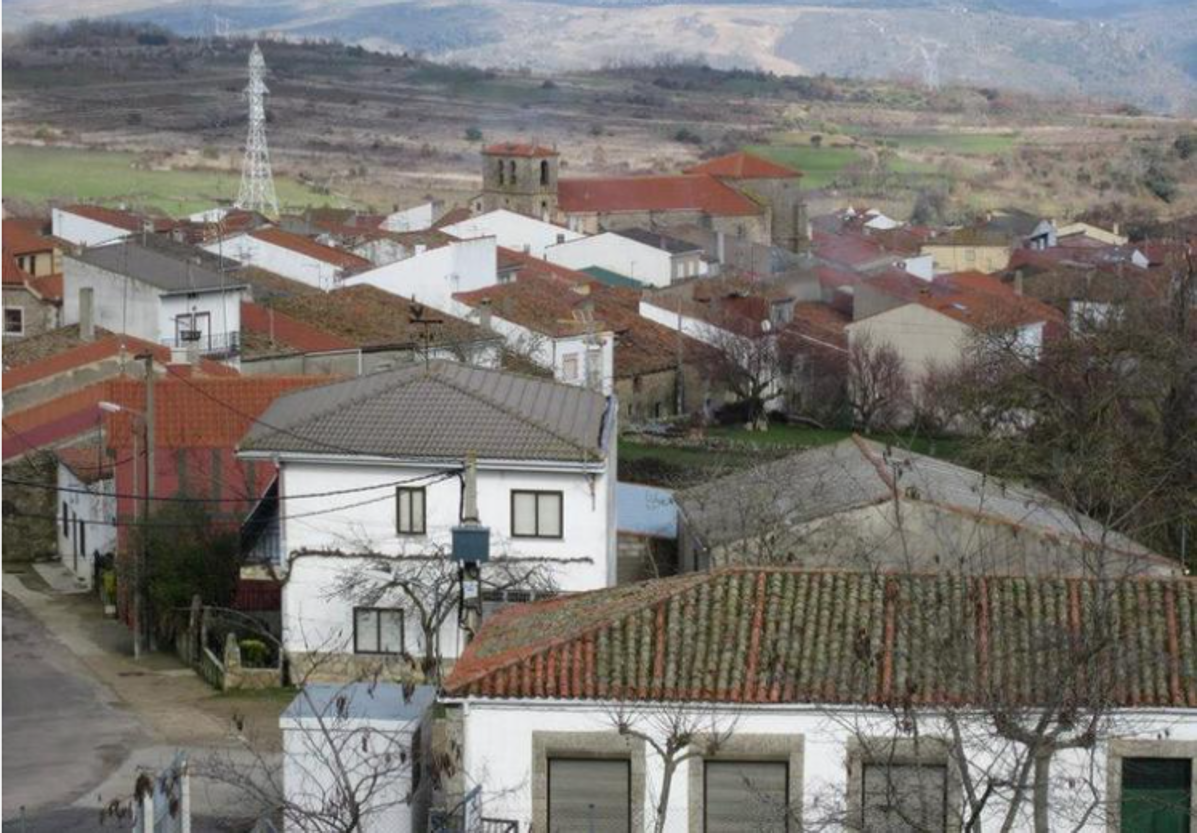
(64, 732)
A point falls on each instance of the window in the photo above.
(1156, 795)
(589, 796)
(66, 520)
(536, 514)
(377, 630)
(82, 538)
(14, 321)
(745, 795)
(569, 367)
(417, 758)
(544, 172)
(511, 171)
(501, 178)
(409, 512)
(904, 797)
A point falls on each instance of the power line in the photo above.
(442, 473)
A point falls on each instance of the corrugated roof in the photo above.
(169, 266)
(443, 411)
(653, 193)
(854, 473)
(742, 165)
(761, 635)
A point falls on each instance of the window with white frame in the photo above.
(14, 321)
(569, 367)
(410, 514)
(536, 514)
(377, 630)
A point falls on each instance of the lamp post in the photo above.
(139, 557)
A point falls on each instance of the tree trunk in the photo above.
(663, 801)
(1043, 764)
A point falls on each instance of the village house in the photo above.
(860, 505)
(781, 699)
(370, 473)
(96, 225)
(647, 257)
(933, 325)
(32, 306)
(356, 330)
(770, 184)
(414, 218)
(156, 289)
(290, 255)
(433, 276)
(86, 525)
(512, 230)
(36, 254)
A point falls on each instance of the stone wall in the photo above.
(320, 667)
(40, 316)
(642, 557)
(32, 537)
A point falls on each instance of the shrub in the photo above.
(108, 585)
(254, 653)
(473, 134)
(1186, 145)
(687, 136)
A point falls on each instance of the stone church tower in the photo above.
(520, 178)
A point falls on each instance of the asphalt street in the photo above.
(64, 732)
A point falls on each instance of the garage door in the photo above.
(589, 796)
(749, 796)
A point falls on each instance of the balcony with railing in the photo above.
(207, 344)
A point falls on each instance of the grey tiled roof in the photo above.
(856, 472)
(673, 245)
(442, 411)
(165, 264)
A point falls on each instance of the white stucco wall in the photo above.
(223, 309)
(619, 254)
(97, 509)
(250, 251)
(435, 275)
(498, 753)
(121, 304)
(362, 749)
(82, 230)
(416, 218)
(513, 231)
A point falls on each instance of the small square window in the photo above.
(569, 367)
(377, 630)
(536, 514)
(410, 514)
(14, 321)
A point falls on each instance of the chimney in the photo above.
(87, 314)
(1017, 281)
(1116, 229)
(484, 315)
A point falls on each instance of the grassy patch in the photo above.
(819, 165)
(283, 695)
(41, 174)
(963, 144)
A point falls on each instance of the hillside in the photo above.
(1140, 51)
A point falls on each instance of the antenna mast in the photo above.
(257, 182)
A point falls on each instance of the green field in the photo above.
(819, 165)
(964, 144)
(41, 174)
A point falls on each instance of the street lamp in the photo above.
(139, 558)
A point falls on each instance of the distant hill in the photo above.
(1138, 51)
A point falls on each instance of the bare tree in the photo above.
(878, 384)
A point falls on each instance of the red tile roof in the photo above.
(199, 412)
(87, 461)
(21, 237)
(518, 149)
(743, 165)
(53, 422)
(48, 286)
(120, 219)
(287, 332)
(849, 249)
(785, 635)
(14, 275)
(653, 193)
(310, 248)
(85, 353)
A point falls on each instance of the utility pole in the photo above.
(471, 548)
(147, 423)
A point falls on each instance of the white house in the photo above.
(417, 218)
(368, 742)
(433, 276)
(826, 700)
(95, 225)
(164, 292)
(513, 231)
(645, 256)
(370, 484)
(86, 510)
(290, 255)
